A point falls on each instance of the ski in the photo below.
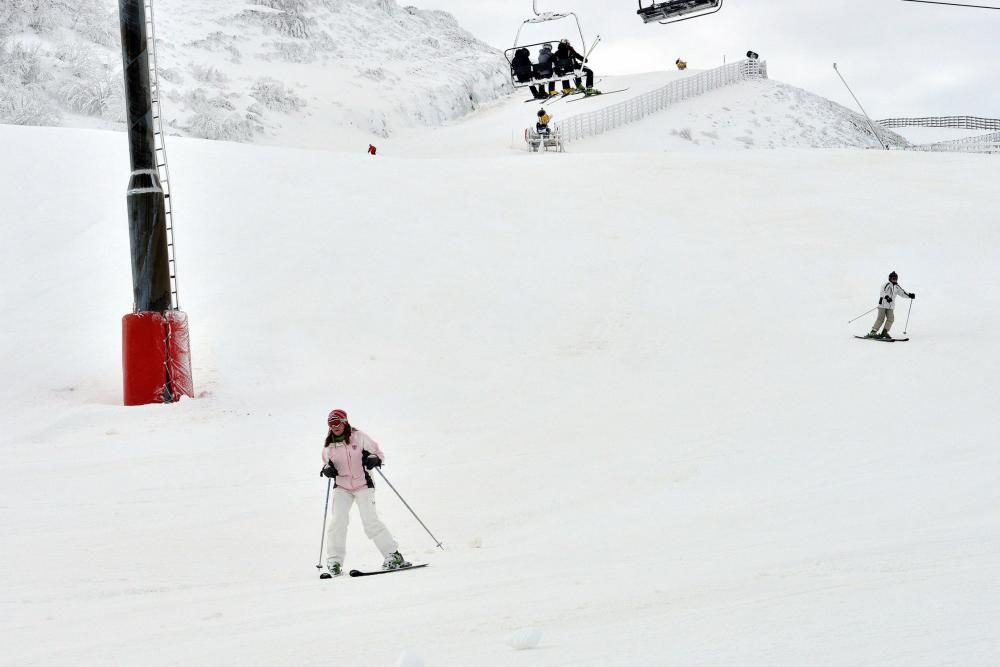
(884, 340)
(359, 573)
(562, 96)
(548, 99)
(587, 97)
(327, 575)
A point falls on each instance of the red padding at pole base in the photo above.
(156, 357)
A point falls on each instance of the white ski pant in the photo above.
(336, 532)
(886, 315)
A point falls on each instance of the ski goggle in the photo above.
(337, 421)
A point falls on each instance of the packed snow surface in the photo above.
(620, 388)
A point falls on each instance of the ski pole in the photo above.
(907, 325)
(863, 314)
(322, 537)
(436, 540)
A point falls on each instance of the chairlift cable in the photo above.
(952, 4)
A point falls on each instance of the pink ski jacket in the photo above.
(348, 459)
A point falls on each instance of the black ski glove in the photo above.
(912, 295)
(372, 461)
(328, 471)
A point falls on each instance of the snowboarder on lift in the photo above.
(348, 455)
(887, 306)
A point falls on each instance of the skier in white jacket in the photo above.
(887, 306)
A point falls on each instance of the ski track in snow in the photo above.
(635, 416)
(617, 383)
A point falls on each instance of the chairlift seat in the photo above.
(551, 140)
(565, 66)
(542, 73)
(672, 11)
(524, 74)
(549, 16)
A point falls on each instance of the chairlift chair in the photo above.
(548, 141)
(522, 76)
(674, 11)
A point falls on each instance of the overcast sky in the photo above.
(900, 58)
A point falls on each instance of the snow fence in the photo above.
(983, 143)
(954, 122)
(597, 122)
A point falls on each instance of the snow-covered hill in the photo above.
(753, 114)
(317, 73)
(342, 73)
(621, 388)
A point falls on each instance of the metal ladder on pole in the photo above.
(160, 151)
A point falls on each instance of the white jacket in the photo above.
(889, 291)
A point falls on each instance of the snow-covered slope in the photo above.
(317, 73)
(620, 388)
(752, 114)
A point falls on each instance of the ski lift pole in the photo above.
(436, 540)
(862, 315)
(867, 117)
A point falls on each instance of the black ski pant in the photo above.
(579, 84)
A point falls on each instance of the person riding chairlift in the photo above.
(567, 59)
(544, 68)
(524, 71)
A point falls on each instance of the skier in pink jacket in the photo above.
(348, 455)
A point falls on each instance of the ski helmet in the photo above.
(337, 416)
(893, 276)
(541, 112)
(564, 40)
